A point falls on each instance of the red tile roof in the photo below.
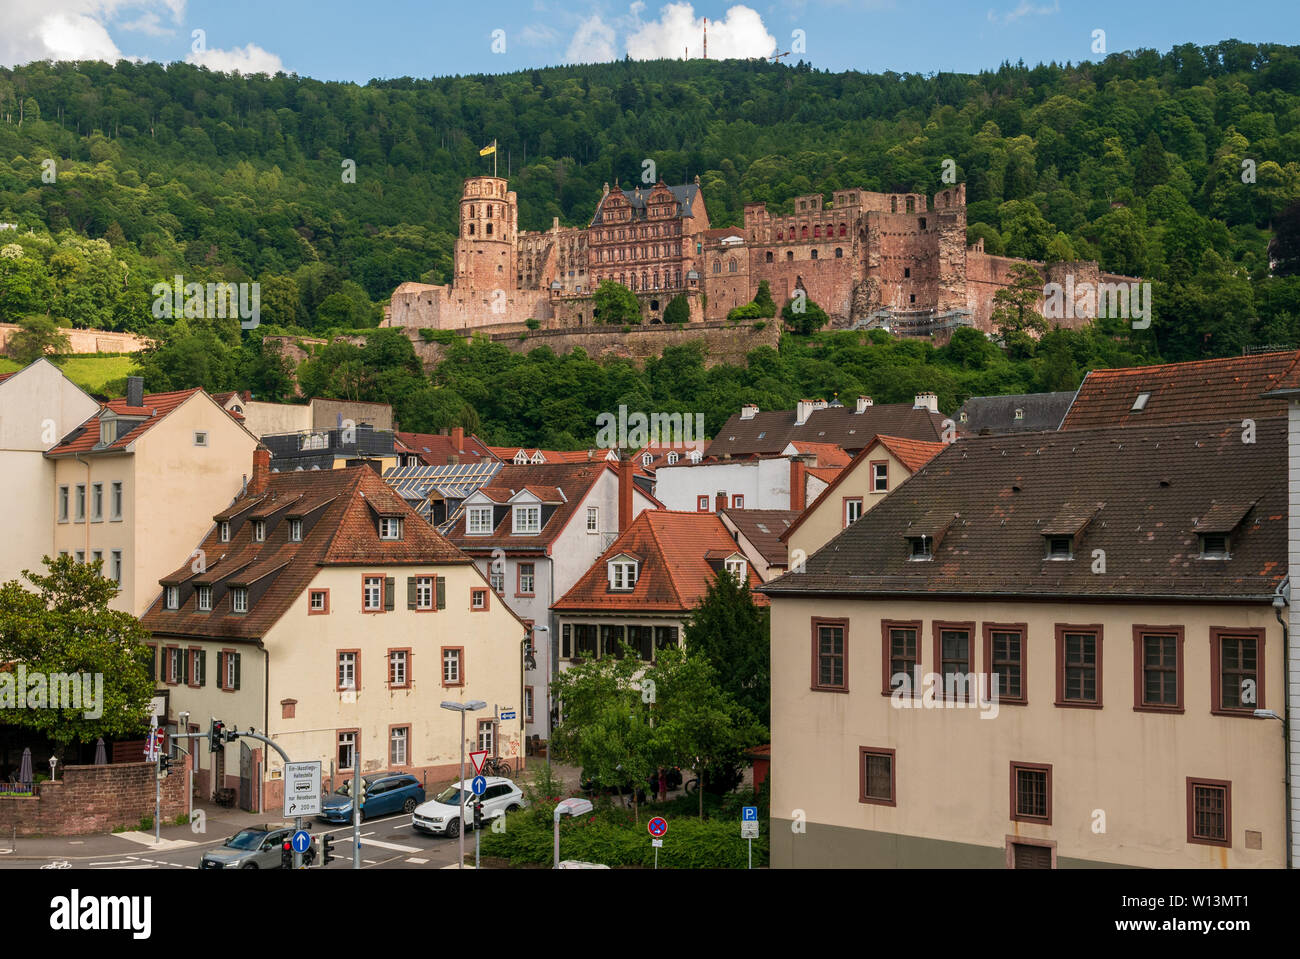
(85, 438)
(507, 454)
(546, 481)
(437, 450)
(764, 529)
(1202, 390)
(339, 529)
(828, 454)
(674, 571)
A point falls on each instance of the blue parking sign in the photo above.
(749, 814)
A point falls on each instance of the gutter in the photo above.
(1244, 599)
(1282, 598)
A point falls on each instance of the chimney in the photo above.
(819, 404)
(803, 409)
(134, 391)
(926, 401)
(261, 470)
(797, 483)
(864, 404)
(625, 469)
(748, 411)
(720, 501)
(458, 438)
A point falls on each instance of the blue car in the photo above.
(382, 795)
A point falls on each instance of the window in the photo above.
(347, 750)
(1020, 414)
(673, 458)
(198, 667)
(528, 704)
(372, 594)
(880, 476)
(593, 519)
(348, 664)
(1236, 671)
(486, 734)
(830, 655)
(737, 500)
(318, 602)
(1078, 666)
(1158, 668)
(422, 597)
(1215, 546)
(97, 556)
(1140, 403)
(902, 654)
(228, 670)
(63, 504)
(452, 674)
(954, 657)
(81, 502)
(390, 527)
(200, 438)
(478, 600)
(398, 671)
(526, 578)
(497, 580)
(398, 737)
(295, 531)
(225, 531)
(203, 598)
(172, 597)
(852, 510)
(259, 531)
(1031, 792)
(478, 520)
(172, 665)
(1025, 853)
(1060, 547)
(738, 570)
(876, 776)
(622, 575)
(701, 504)
(97, 503)
(647, 459)
(239, 599)
(81, 556)
(1004, 658)
(1209, 812)
(528, 519)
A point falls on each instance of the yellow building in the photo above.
(332, 618)
(1043, 650)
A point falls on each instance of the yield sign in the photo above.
(477, 758)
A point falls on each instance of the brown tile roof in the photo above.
(437, 450)
(5, 376)
(85, 438)
(828, 454)
(764, 528)
(1150, 486)
(674, 570)
(770, 432)
(507, 454)
(825, 473)
(1203, 390)
(984, 415)
(546, 480)
(342, 533)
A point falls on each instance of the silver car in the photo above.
(256, 847)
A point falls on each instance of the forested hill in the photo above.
(1136, 161)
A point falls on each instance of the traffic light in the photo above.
(232, 735)
(361, 801)
(327, 849)
(216, 735)
(478, 815)
(164, 762)
(286, 855)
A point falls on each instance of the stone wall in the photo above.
(94, 799)
(86, 341)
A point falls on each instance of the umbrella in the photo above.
(101, 758)
(25, 767)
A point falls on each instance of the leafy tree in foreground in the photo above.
(731, 633)
(1015, 306)
(37, 337)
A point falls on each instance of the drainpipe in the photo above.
(266, 724)
(1280, 600)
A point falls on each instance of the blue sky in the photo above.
(349, 40)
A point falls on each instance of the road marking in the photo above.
(146, 839)
(370, 862)
(114, 862)
(418, 862)
(141, 866)
(394, 846)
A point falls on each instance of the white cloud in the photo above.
(1025, 9)
(537, 35)
(739, 35)
(247, 59)
(593, 43)
(76, 29)
(151, 24)
(72, 36)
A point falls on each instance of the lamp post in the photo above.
(549, 660)
(1286, 768)
(570, 807)
(463, 708)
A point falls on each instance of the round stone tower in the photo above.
(485, 251)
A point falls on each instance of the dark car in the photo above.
(382, 794)
(257, 847)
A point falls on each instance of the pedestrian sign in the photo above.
(478, 786)
(658, 827)
(749, 814)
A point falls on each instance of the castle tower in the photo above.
(486, 250)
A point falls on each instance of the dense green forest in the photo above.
(1176, 167)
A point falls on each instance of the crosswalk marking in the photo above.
(418, 862)
(394, 846)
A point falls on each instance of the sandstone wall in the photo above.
(92, 799)
(86, 341)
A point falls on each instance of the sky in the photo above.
(358, 41)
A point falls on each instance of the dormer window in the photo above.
(259, 531)
(1214, 546)
(672, 458)
(521, 458)
(527, 520)
(172, 597)
(696, 456)
(295, 531)
(1020, 414)
(239, 599)
(738, 569)
(478, 520)
(1060, 547)
(922, 548)
(647, 459)
(1140, 403)
(203, 598)
(622, 574)
(224, 527)
(390, 527)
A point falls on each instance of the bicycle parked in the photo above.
(494, 766)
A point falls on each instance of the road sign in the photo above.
(153, 745)
(658, 827)
(749, 814)
(477, 757)
(301, 841)
(508, 715)
(657, 843)
(302, 789)
(749, 829)
(478, 786)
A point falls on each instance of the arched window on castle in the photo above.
(471, 210)
(817, 233)
(489, 229)
(769, 256)
(893, 204)
(778, 234)
(839, 253)
(731, 266)
(843, 229)
(789, 254)
(803, 233)
(911, 204)
(717, 266)
(471, 229)
(814, 254)
(489, 211)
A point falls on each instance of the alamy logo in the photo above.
(947, 691)
(1086, 300)
(622, 431)
(209, 301)
(21, 689)
(77, 913)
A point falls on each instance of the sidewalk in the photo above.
(220, 825)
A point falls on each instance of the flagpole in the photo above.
(494, 158)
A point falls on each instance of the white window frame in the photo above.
(451, 658)
(239, 599)
(200, 438)
(398, 668)
(528, 581)
(225, 531)
(487, 735)
(347, 671)
(394, 741)
(231, 659)
(849, 506)
(424, 592)
(375, 583)
(295, 531)
(739, 569)
(203, 598)
(622, 575)
(478, 520)
(259, 531)
(171, 597)
(527, 512)
(879, 482)
(347, 741)
(593, 519)
(390, 527)
(312, 597)
(497, 580)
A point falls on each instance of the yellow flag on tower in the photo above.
(490, 148)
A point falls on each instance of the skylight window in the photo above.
(1140, 403)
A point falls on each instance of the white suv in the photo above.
(442, 813)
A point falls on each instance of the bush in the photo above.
(679, 311)
(445, 337)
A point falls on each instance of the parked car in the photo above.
(257, 847)
(442, 813)
(385, 793)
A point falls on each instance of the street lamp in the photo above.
(1271, 714)
(462, 708)
(549, 660)
(570, 807)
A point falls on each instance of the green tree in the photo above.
(731, 634)
(1015, 305)
(678, 311)
(616, 305)
(37, 336)
(802, 315)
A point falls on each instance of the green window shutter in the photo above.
(442, 591)
(221, 670)
(390, 589)
(202, 677)
(185, 666)
(236, 655)
(410, 592)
